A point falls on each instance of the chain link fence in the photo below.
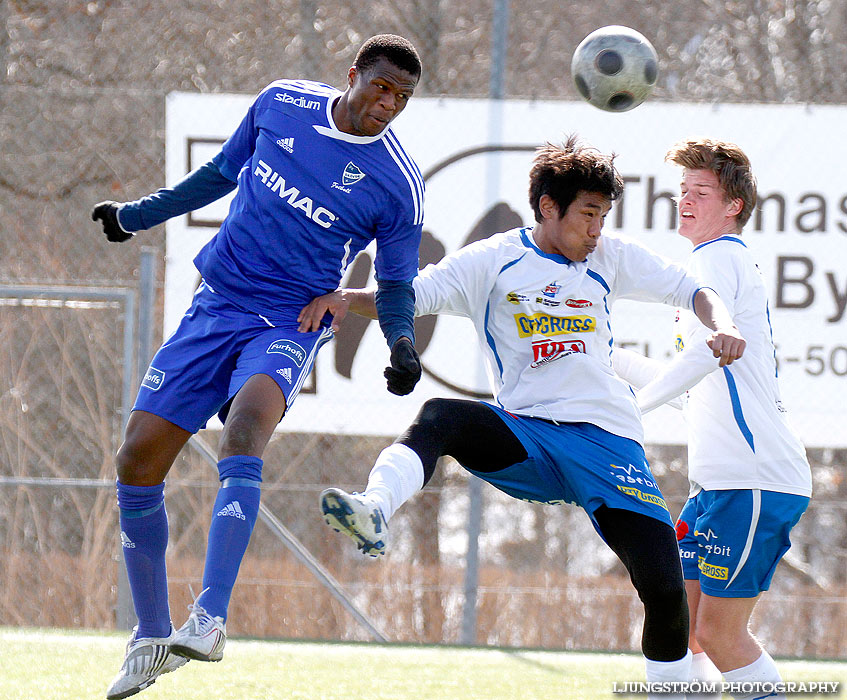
(82, 88)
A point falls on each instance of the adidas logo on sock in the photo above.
(126, 543)
(231, 510)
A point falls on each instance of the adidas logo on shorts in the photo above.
(232, 510)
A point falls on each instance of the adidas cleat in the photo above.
(146, 659)
(202, 637)
(352, 515)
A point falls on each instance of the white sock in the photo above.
(396, 476)
(703, 670)
(761, 670)
(661, 671)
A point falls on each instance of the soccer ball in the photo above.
(615, 68)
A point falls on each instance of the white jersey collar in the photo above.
(335, 133)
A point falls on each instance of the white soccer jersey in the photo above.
(543, 321)
(739, 435)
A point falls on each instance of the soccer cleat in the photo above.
(353, 515)
(146, 659)
(202, 637)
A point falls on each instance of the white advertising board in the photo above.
(476, 155)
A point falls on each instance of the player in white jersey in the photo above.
(564, 428)
(750, 480)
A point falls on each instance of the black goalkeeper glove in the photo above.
(107, 212)
(405, 370)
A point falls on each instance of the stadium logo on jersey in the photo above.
(285, 374)
(231, 510)
(276, 183)
(544, 324)
(552, 289)
(153, 379)
(578, 303)
(515, 298)
(290, 349)
(351, 174)
(298, 101)
(126, 543)
(286, 144)
(545, 351)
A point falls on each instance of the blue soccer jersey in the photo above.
(309, 199)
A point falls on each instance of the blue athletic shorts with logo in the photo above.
(578, 463)
(217, 347)
(732, 540)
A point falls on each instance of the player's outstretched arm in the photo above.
(726, 342)
(107, 213)
(337, 303)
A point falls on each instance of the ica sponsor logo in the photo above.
(544, 324)
(545, 351)
(153, 378)
(290, 349)
(291, 195)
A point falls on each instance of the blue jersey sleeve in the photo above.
(397, 244)
(239, 147)
(200, 187)
(395, 308)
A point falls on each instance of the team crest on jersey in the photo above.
(351, 174)
(552, 289)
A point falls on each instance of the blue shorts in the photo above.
(217, 347)
(732, 540)
(578, 463)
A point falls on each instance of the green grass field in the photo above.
(61, 665)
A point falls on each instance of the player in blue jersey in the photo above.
(319, 175)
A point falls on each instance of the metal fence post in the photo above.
(499, 49)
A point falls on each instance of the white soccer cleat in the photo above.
(352, 515)
(202, 637)
(146, 659)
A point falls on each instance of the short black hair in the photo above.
(396, 49)
(562, 172)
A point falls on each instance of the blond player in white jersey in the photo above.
(750, 480)
(563, 427)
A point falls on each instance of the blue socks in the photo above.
(144, 539)
(234, 515)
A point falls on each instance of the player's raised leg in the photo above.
(469, 431)
(256, 409)
(150, 447)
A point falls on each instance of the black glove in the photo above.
(107, 212)
(405, 370)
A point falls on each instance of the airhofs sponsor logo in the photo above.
(545, 351)
(153, 378)
(290, 349)
(544, 324)
(641, 496)
(276, 183)
(721, 573)
(298, 101)
(578, 303)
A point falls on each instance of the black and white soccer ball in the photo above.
(615, 68)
